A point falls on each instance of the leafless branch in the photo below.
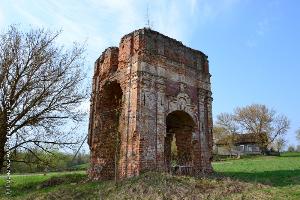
(40, 88)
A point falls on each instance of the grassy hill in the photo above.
(247, 178)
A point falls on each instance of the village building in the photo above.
(240, 144)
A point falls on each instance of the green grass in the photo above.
(84, 166)
(25, 183)
(150, 185)
(257, 177)
(282, 173)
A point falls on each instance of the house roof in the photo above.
(247, 138)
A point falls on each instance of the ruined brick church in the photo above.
(150, 95)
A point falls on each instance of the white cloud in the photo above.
(1, 17)
(20, 10)
(262, 27)
(168, 19)
(251, 43)
(209, 10)
(193, 6)
(103, 23)
(179, 19)
(124, 15)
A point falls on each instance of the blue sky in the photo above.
(253, 45)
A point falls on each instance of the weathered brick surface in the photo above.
(146, 92)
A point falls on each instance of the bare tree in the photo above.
(219, 132)
(257, 119)
(227, 122)
(291, 148)
(279, 144)
(225, 130)
(40, 89)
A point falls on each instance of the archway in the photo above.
(110, 109)
(178, 141)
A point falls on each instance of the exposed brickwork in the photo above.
(147, 92)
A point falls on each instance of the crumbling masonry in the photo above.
(150, 94)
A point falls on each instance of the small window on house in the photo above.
(241, 147)
(255, 149)
(250, 148)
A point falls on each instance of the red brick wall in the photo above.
(157, 75)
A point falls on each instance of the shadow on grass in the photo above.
(273, 178)
(291, 156)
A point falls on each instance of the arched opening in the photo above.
(178, 142)
(110, 110)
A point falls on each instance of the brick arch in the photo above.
(178, 148)
(183, 117)
(187, 111)
(106, 141)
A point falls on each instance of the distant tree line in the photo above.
(292, 148)
(47, 162)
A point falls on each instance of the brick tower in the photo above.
(150, 96)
